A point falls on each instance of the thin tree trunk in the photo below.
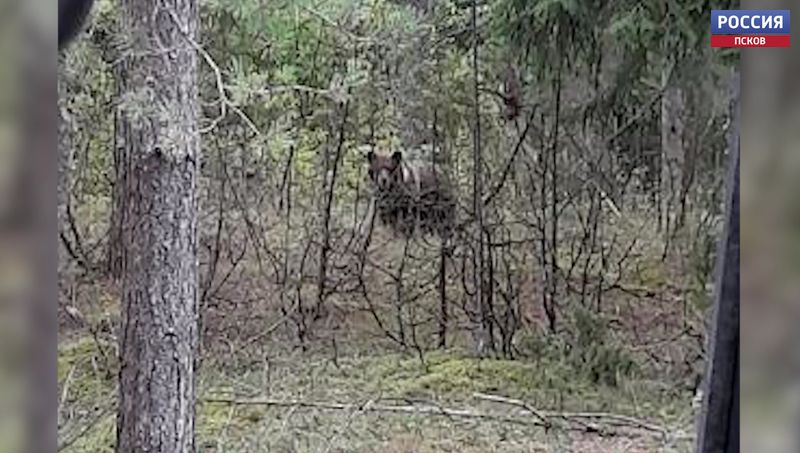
(477, 197)
(66, 155)
(116, 250)
(672, 149)
(160, 275)
(443, 312)
(331, 171)
(115, 256)
(552, 286)
(544, 253)
(443, 244)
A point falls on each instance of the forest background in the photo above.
(569, 313)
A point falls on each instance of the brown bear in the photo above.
(410, 196)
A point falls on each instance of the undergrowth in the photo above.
(445, 378)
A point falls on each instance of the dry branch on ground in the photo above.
(601, 423)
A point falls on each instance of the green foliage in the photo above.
(549, 32)
(587, 348)
(634, 28)
(86, 89)
(596, 352)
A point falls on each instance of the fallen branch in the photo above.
(406, 409)
(607, 417)
(514, 402)
(617, 419)
(576, 421)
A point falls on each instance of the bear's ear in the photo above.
(370, 156)
(71, 16)
(397, 156)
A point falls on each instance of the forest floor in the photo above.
(372, 401)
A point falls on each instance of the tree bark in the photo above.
(672, 149)
(159, 111)
(116, 249)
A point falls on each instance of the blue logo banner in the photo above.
(750, 22)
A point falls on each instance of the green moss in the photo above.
(101, 438)
(451, 376)
(70, 354)
(86, 381)
(211, 420)
(550, 381)
(84, 369)
(652, 273)
(461, 374)
(221, 425)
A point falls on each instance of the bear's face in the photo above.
(385, 172)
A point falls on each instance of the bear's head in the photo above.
(385, 171)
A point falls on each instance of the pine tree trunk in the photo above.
(160, 275)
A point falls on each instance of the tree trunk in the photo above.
(551, 309)
(116, 250)
(481, 338)
(331, 167)
(66, 154)
(115, 257)
(159, 111)
(672, 149)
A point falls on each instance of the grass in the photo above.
(447, 378)
(87, 392)
(84, 371)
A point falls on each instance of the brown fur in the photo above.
(411, 196)
(512, 96)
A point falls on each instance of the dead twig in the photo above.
(576, 421)
(615, 419)
(407, 409)
(357, 410)
(95, 420)
(65, 391)
(514, 402)
(607, 417)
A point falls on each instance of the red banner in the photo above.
(750, 40)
